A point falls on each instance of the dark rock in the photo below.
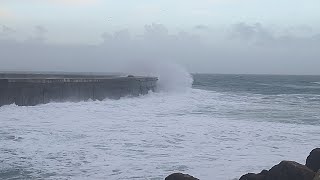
(285, 170)
(317, 176)
(252, 176)
(313, 160)
(289, 170)
(180, 176)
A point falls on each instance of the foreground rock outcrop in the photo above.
(180, 176)
(313, 160)
(252, 176)
(317, 176)
(285, 170)
(290, 170)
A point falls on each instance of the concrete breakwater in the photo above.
(27, 89)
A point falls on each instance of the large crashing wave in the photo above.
(172, 77)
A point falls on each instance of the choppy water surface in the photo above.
(223, 127)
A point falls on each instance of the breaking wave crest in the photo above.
(172, 77)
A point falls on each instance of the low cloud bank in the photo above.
(243, 48)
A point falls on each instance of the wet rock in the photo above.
(180, 176)
(252, 176)
(289, 170)
(313, 160)
(317, 176)
(285, 170)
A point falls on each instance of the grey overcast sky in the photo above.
(205, 36)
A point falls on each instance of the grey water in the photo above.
(221, 127)
(259, 84)
(282, 98)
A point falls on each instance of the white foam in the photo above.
(149, 137)
(172, 77)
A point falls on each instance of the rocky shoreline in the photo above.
(285, 170)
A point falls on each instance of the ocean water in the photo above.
(221, 127)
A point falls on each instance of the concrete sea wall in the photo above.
(33, 89)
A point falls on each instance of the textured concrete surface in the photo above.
(32, 89)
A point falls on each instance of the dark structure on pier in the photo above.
(28, 89)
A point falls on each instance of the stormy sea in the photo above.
(212, 126)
